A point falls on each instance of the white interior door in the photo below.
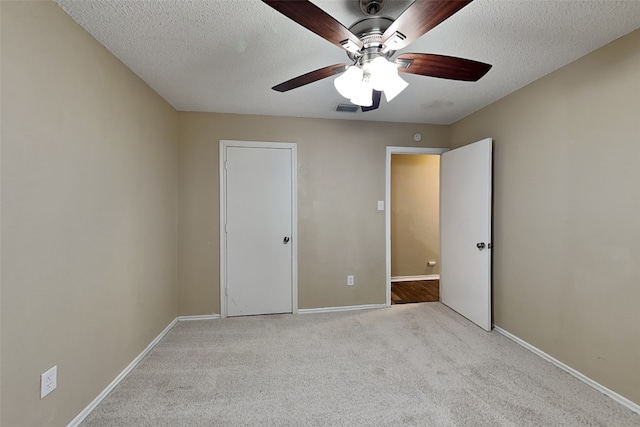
(465, 231)
(259, 218)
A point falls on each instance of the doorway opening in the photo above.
(412, 224)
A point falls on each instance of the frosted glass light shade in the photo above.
(347, 83)
(381, 71)
(393, 86)
(357, 83)
(363, 94)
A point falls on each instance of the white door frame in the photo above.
(397, 150)
(294, 216)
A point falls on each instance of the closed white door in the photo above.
(465, 231)
(258, 219)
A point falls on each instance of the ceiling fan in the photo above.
(370, 44)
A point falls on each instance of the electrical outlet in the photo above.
(350, 281)
(48, 381)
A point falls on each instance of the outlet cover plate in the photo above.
(48, 381)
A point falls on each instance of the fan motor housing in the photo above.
(370, 30)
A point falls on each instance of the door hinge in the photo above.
(226, 292)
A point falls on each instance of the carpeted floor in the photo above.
(416, 365)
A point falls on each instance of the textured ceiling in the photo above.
(224, 56)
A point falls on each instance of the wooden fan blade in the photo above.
(317, 20)
(376, 102)
(311, 77)
(444, 67)
(420, 17)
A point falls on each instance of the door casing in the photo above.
(223, 209)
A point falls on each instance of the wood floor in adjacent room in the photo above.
(415, 291)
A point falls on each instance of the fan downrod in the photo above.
(371, 7)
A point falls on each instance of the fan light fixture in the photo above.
(359, 81)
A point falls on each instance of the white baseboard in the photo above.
(415, 278)
(341, 308)
(579, 375)
(86, 411)
(198, 317)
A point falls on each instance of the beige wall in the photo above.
(89, 217)
(90, 212)
(415, 216)
(341, 176)
(567, 213)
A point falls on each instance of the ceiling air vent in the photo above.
(347, 108)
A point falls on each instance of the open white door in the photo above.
(465, 231)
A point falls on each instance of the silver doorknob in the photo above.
(285, 240)
(480, 245)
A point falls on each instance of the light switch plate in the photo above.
(380, 205)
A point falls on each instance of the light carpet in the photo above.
(415, 365)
